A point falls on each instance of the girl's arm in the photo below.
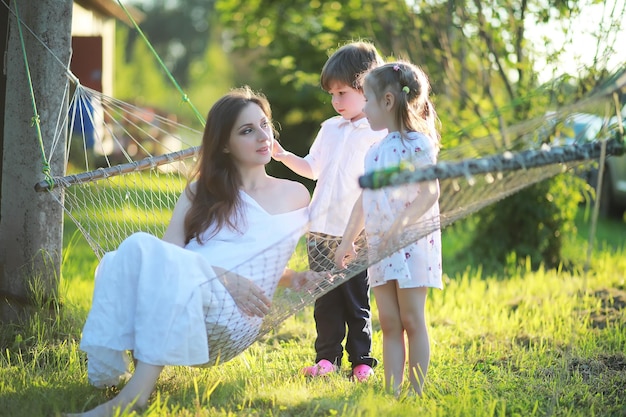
(345, 251)
(427, 196)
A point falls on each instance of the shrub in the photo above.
(531, 224)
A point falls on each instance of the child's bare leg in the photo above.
(135, 393)
(412, 304)
(393, 335)
(393, 360)
(419, 357)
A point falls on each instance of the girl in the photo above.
(202, 290)
(397, 99)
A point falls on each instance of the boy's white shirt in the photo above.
(337, 159)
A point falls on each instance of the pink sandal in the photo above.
(321, 368)
(362, 372)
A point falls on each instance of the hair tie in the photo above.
(406, 89)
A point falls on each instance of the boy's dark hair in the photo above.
(347, 63)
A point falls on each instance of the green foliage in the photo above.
(180, 32)
(531, 224)
(210, 75)
(140, 79)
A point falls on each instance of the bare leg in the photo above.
(134, 394)
(393, 335)
(412, 306)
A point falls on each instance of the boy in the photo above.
(336, 161)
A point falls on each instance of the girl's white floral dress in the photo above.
(418, 264)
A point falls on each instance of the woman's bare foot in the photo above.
(134, 395)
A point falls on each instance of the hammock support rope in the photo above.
(507, 161)
(184, 96)
(35, 120)
(101, 173)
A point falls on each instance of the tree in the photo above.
(138, 77)
(287, 43)
(31, 224)
(201, 67)
(178, 30)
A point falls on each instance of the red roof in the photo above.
(111, 8)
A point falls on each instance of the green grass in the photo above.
(524, 343)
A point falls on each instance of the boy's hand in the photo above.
(278, 152)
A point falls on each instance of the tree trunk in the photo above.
(4, 34)
(31, 223)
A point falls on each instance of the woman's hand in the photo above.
(344, 254)
(248, 296)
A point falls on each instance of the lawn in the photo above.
(528, 343)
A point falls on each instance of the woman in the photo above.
(198, 295)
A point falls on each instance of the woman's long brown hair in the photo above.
(215, 202)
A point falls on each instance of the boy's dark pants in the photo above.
(346, 305)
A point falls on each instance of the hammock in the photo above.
(143, 158)
(110, 203)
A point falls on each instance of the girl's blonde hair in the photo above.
(414, 111)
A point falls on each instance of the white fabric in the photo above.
(337, 160)
(166, 304)
(418, 264)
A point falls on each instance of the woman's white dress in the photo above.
(418, 264)
(166, 304)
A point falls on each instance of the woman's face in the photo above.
(250, 142)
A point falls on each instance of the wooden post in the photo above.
(31, 223)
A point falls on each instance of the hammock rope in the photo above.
(184, 96)
(507, 161)
(35, 120)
